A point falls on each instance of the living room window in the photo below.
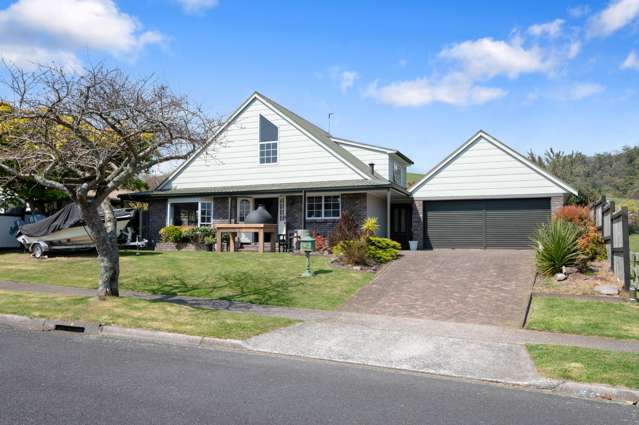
(268, 141)
(323, 207)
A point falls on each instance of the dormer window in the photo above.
(268, 141)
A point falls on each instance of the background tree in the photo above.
(89, 134)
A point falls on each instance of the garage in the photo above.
(484, 195)
(483, 224)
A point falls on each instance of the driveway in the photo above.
(471, 286)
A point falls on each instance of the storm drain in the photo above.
(69, 328)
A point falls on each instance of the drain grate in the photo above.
(69, 328)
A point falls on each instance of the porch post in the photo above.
(229, 214)
(388, 213)
(303, 209)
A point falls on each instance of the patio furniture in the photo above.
(283, 243)
(234, 229)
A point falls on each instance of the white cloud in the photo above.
(344, 77)
(454, 89)
(197, 6)
(579, 11)
(550, 29)
(41, 31)
(573, 49)
(617, 15)
(486, 58)
(631, 62)
(583, 90)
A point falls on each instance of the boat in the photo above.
(64, 230)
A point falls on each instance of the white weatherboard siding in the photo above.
(367, 156)
(376, 207)
(482, 171)
(235, 162)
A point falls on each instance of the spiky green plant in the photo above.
(370, 226)
(556, 246)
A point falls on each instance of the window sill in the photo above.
(322, 218)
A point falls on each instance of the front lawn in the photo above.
(586, 365)
(611, 319)
(270, 278)
(136, 313)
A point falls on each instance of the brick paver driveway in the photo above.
(473, 286)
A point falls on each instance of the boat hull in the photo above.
(71, 236)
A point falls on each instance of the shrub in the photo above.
(320, 242)
(591, 243)
(574, 214)
(197, 234)
(383, 250)
(171, 233)
(370, 227)
(354, 251)
(556, 246)
(346, 229)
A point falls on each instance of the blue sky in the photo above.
(419, 76)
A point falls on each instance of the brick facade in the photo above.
(221, 210)
(418, 223)
(557, 202)
(294, 213)
(354, 203)
(156, 221)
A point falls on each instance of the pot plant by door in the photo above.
(413, 245)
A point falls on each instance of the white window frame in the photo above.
(323, 196)
(262, 142)
(199, 212)
(169, 209)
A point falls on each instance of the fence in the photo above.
(613, 226)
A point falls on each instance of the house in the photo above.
(483, 195)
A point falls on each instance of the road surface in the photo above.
(61, 378)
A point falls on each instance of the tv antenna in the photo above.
(330, 114)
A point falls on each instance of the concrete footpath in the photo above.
(480, 352)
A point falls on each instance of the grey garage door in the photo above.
(488, 223)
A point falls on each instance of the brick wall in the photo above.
(418, 223)
(157, 220)
(221, 210)
(557, 202)
(355, 203)
(293, 213)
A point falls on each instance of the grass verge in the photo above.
(586, 365)
(269, 278)
(135, 313)
(599, 318)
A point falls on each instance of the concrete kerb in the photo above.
(576, 389)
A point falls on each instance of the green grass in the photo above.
(136, 313)
(634, 242)
(610, 319)
(412, 178)
(269, 278)
(586, 365)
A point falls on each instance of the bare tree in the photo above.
(91, 133)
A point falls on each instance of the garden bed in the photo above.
(580, 283)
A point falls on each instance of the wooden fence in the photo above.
(613, 226)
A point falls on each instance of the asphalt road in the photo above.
(59, 378)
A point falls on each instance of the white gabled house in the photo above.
(484, 195)
(306, 178)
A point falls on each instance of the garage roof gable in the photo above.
(489, 168)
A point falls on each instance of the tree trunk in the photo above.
(105, 235)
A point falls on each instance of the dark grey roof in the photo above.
(339, 185)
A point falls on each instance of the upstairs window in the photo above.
(268, 141)
(398, 173)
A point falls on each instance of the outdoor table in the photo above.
(234, 229)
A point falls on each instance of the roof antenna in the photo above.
(330, 114)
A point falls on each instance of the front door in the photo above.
(244, 207)
(401, 229)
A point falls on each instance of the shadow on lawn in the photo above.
(256, 288)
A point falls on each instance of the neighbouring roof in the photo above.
(340, 185)
(481, 134)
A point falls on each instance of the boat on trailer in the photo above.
(64, 230)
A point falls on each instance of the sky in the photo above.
(417, 76)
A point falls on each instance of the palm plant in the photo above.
(556, 246)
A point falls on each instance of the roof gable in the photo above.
(485, 166)
(314, 133)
